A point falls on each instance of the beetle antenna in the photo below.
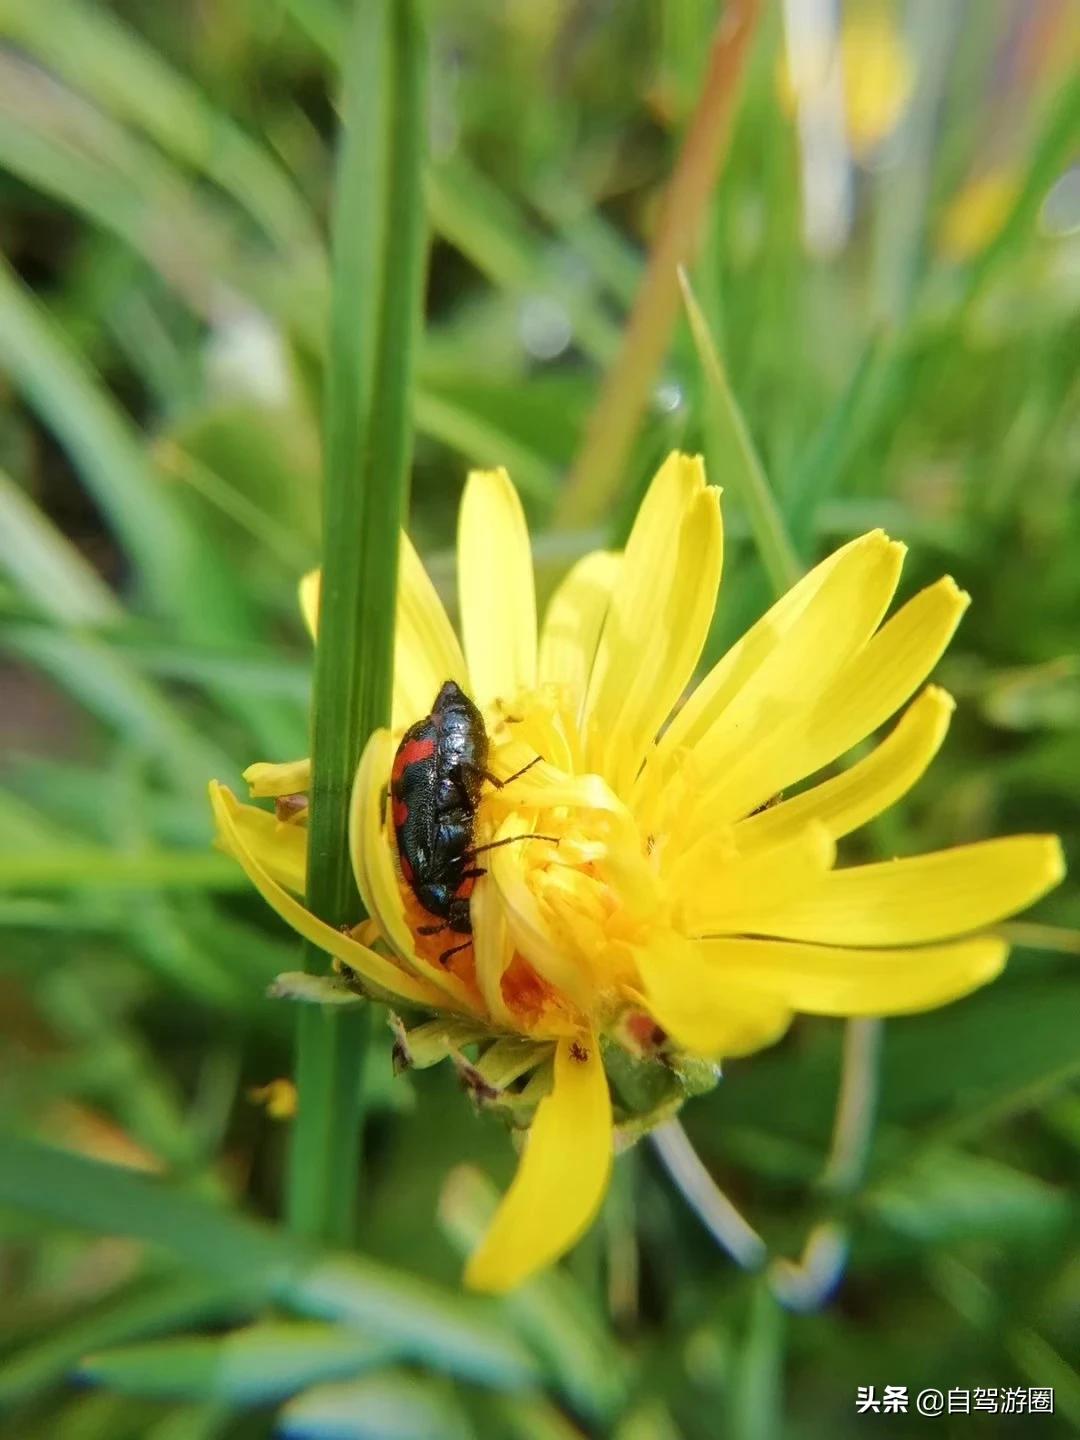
(511, 840)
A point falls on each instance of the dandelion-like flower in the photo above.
(670, 902)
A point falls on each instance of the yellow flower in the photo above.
(976, 214)
(875, 82)
(879, 76)
(682, 909)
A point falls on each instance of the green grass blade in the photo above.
(142, 1310)
(380, 1407)
(379, 244)
(252, 1260)
(100, 444)
(46, 567)
(101, 56)
(737, 462)
(88, 867)
(253, 1366)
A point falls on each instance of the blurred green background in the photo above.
(890, 267)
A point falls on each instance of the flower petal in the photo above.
(723, 682)
(561, 1177)
(292, 777)
(493, 949)
(529, 925)
(310, 590)
(372, 853)
(495, 586)
(868, 689)
(718, 896)
(426, 650)
(661, 606)
(870, 786)
(699, 1007)
(758, 732)
(382, 973)
(828, 980)
(924, 897)
(280, 849)
(573, 622)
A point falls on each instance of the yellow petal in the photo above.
(310, 590)
(280, 849)
(870, 786)
(925, 897)
(561, 1177)
(492, 949)
(759, 731)
(372, 967)
(495, 586)
(426, 650)
(372, 853)
(723, 682)
(870, 687)
(827, 980)
(717, 897)
(661, 607)
(699, 1007)
(530, 926)
(572, 625)
(292, 777)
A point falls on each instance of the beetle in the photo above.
(438, 774)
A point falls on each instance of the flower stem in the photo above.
(378, 248)
(613, 424)
(856, 1105)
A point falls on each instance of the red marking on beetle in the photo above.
(400, 812)
(411, 753)
(406, 869)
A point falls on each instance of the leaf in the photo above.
(140, 1310)
(256, 1365)
(46, 567)
(551, 1310)
(313, 989)
(381, 1407)
(378, 260)
(946, 1196)
(253, 1261)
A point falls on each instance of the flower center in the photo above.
(585, 888)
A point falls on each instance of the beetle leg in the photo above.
(518, 773)
(454, 950)
(431, 929)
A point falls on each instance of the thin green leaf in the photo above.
(462, 1336)
(381, 1407)
(89, 866)
(737, 463)
(46, 567)
(141, 1310)
(253, 1366)
(379, 247)
(101, 56)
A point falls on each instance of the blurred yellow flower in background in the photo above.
(976, 214)
(879, 75)
(683, 909)
(876, 79)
